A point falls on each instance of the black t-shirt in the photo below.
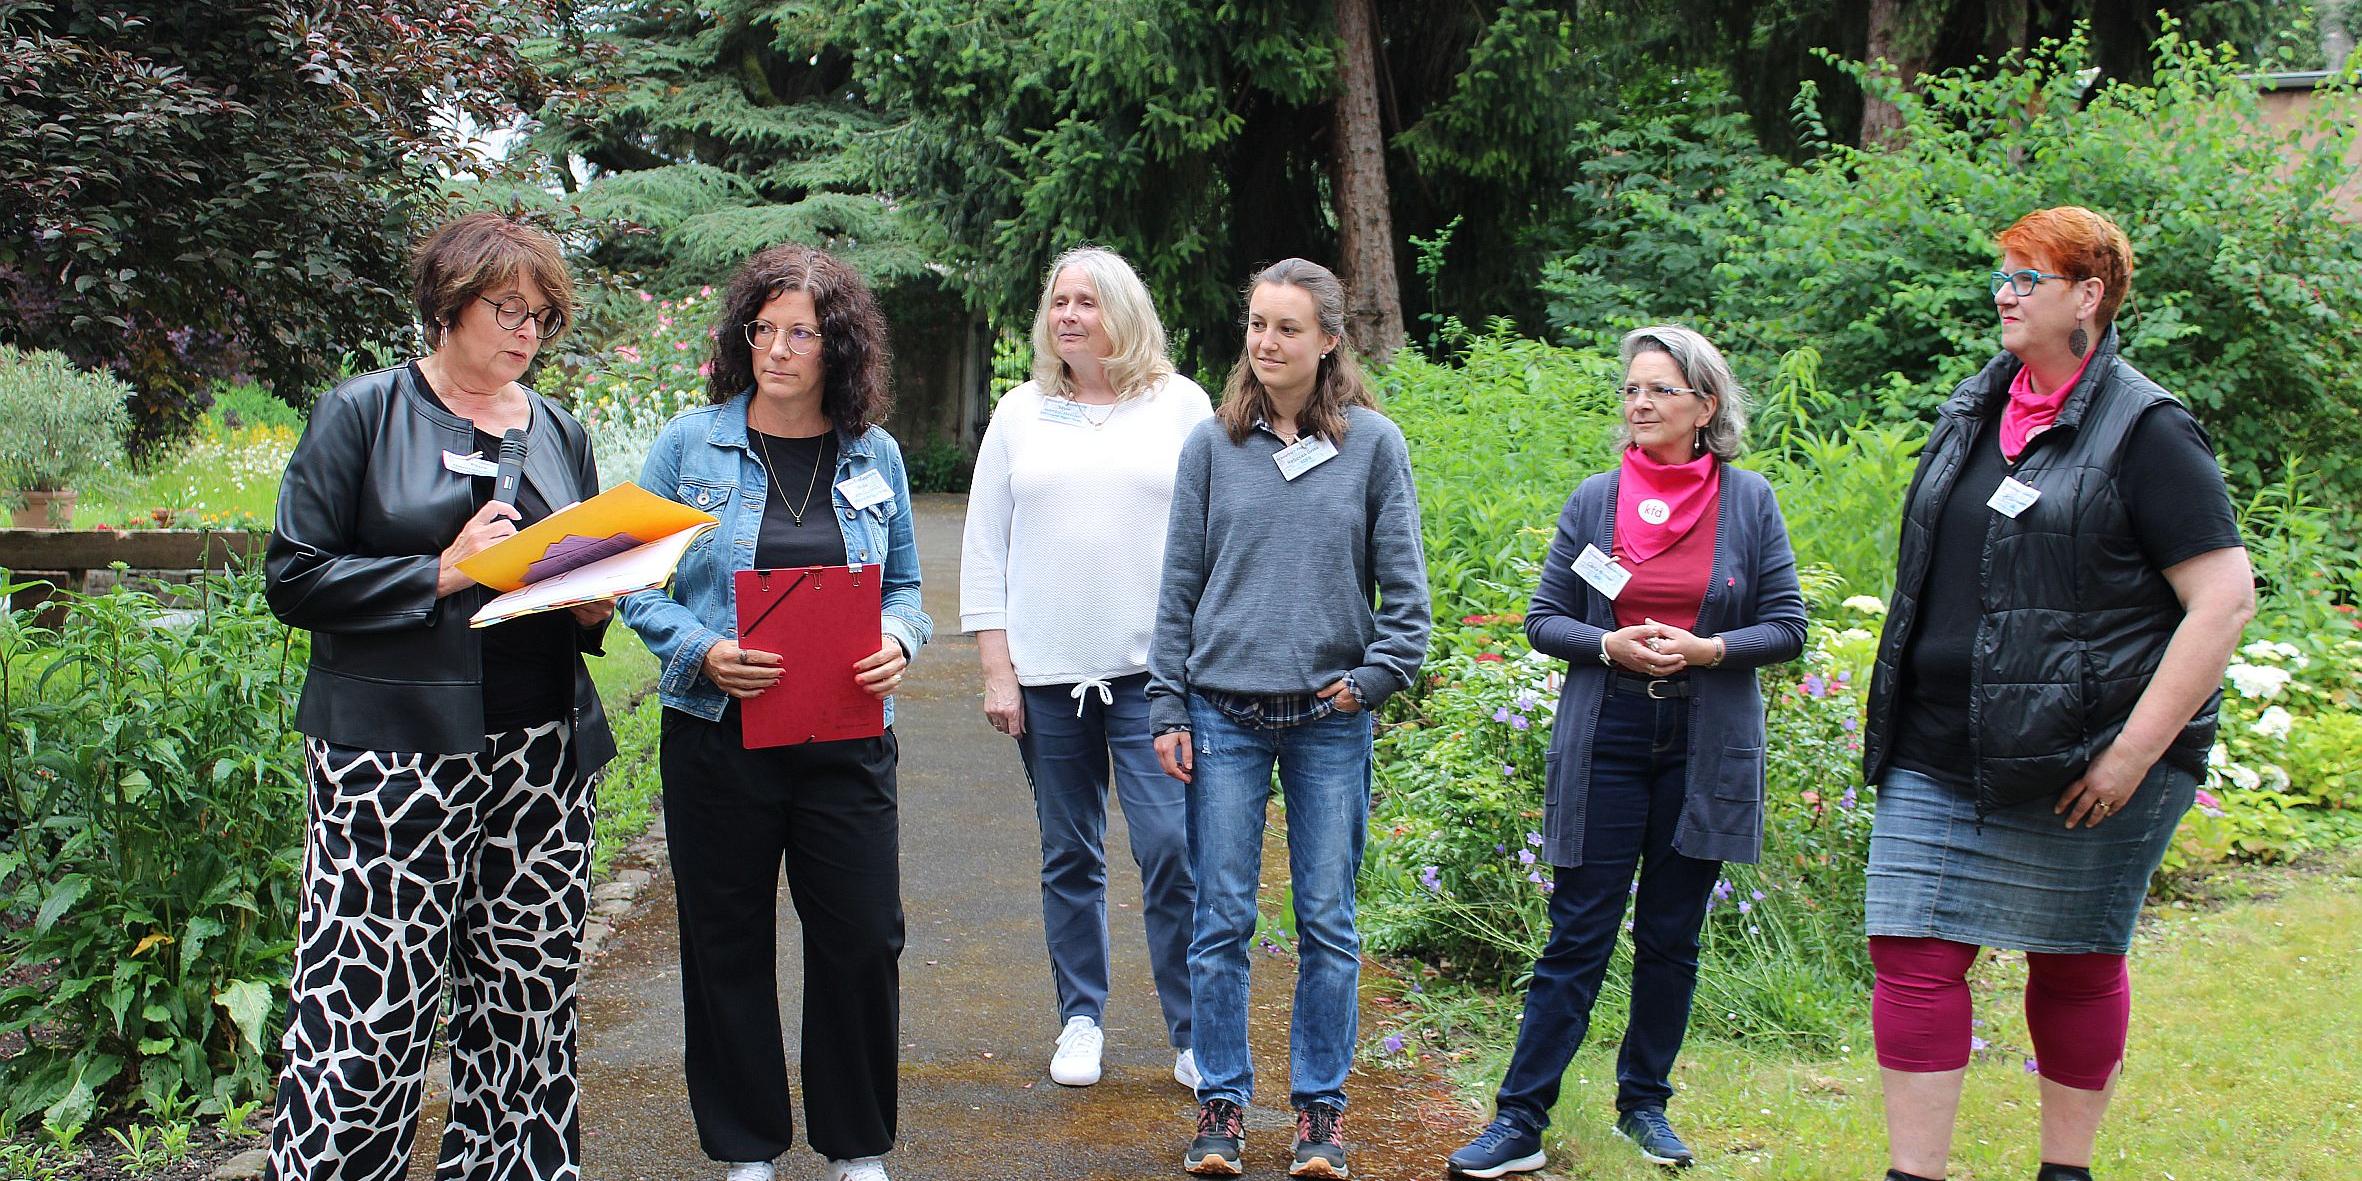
(2173, 491)
(529, 660)
(801, 472)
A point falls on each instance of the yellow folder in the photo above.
(617, 520)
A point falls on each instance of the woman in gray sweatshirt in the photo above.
(1294, 602)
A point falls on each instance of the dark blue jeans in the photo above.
(1639, 759)
(1073, 744)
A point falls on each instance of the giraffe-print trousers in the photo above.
(418, 866)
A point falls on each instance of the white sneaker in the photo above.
(753, 1170)
(868, 1168)
(1076, 1064)
(1185, 1071)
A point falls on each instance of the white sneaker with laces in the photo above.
(1076, 1062)
(1185, 1071)
(868, 1168)
(753, 1170)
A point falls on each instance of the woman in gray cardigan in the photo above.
(1669, 583)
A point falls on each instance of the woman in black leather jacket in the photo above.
(450, 804)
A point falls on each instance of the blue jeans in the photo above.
(1639, 760)
(1070, 742)
(1324, 773)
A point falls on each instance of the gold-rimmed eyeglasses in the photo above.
(800, 340)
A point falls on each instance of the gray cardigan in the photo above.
(1275, 586)
(1752, 602)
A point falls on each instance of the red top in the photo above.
(1671, 586)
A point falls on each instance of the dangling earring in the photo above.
(1699, 448)
(2079, 341)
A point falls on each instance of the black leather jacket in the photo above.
(365, 510)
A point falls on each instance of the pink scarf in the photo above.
(2029, 413)
(1657, 503)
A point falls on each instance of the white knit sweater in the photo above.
(1065, 543)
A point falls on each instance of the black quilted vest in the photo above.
(2075, 620)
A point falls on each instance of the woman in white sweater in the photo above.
(1058, 581)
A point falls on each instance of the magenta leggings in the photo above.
(2077, 1008)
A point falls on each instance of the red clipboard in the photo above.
(822, 620)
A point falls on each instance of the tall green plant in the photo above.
(2246, 282)
(153, 798)
(58, 424)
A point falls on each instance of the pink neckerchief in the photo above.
(1657, 503)
(2028, 413)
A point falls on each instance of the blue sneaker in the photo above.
(1500, 1149)
(1647, 1128)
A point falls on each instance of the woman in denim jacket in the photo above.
(799, 369)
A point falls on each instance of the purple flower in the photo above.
(1549, 887)
(1814, 686)
(1508, 768)
(1849, 725)
(1415, 987)
(1848, 800)
(1535, 877)
(1519, 722)
(1745, 906)
(2031, 1068)
(1526, 700)
(1501, 714)
(1430, 878)
(1976, 1044)
(1525, 856)
(1634, 888)
(1722, 890)
(1755, 894)
(1394, 1043)
(1534, 839)
(1752, 929)
(1500, 848)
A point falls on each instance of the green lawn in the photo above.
(2246, 1062)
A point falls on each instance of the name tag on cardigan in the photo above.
(1602, 572)
(2013, 497)
(864, 490)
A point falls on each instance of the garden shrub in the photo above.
(632, 389)
(2246, 281)
(59, 425)
(151, 833)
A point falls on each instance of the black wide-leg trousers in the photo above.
(827, 812)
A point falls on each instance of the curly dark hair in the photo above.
(856, 388)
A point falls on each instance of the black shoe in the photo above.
(1221, 1144)
(1320, 1142)
(1647, 1128)
(1500, 1149)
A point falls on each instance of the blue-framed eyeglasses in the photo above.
(2022, 282)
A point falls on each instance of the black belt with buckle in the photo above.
(1654, 688)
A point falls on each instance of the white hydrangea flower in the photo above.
(2258, 650)
(2276, 776)
(1854, 635)
(2218, 756)
(2274, 722)
(2243, 776)
(1866, 604)
(2257, 682)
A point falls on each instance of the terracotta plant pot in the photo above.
(45, 510)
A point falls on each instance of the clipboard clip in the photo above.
(763, 582)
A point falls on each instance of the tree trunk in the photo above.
(1882, 121)
(1365, 223)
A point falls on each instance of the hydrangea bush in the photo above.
(632, 389)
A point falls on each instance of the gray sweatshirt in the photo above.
(1277, 587)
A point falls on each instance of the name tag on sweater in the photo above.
(1602, 572)
(1303, 455)
(2013, 497)
(1065, 411)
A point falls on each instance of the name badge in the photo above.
(864, 490)
(1303, 455)
(1602, 572)
(471, 464)
(2013, 497)
(1064, 411)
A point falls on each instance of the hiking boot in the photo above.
(1647, 1128)
(1221, 1144)
(1320, 1142)
(1502, 1148)
(1076, 1062)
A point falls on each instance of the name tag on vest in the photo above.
(2013, 497)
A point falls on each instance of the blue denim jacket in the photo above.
(703, 459)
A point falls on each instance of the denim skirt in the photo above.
(2019, 879)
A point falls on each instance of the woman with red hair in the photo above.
(2070, 588)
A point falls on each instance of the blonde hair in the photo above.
(1126, 314)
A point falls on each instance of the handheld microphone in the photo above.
(512, 467)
